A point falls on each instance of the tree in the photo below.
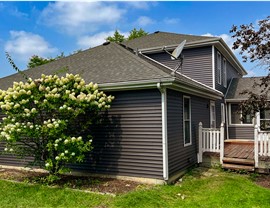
(51, 119)
(117, 37)
(35, 60)
(136, 33)
(254, 45)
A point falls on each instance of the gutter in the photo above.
(163, 92)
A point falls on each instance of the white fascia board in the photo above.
(235, 100)
(192, 44)
(221, 45)
(196, 92)
(132, 85)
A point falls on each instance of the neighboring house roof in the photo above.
(238, 85)
(161, 39)
(114, 67)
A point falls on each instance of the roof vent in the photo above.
(157, 32)
(106, 43)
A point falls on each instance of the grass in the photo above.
(213, 188)
(25, 195)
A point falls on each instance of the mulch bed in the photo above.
(263, 180)
(86, 183)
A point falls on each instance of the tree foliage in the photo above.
(134, 33)
(254, 44)
(35, 60)
(50, 119)
(117, 37)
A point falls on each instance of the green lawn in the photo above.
(214, 189)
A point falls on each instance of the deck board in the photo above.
(239, 150)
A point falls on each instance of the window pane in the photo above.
(265, 114)
(187, 132)
(186, 109)
(265, 125)
(247, 119)
(235, 115)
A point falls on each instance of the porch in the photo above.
(236, 154)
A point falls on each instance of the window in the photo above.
(212, 114)
(265, 119)
(222, 113)
(187, 120)
(224, 73)
(236, 116)
(219, 67)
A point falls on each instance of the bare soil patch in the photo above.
(263, 180)
(85, 183)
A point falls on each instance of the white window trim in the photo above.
(190, 143)
(212, 103)
(230, 118)
(219, 60)
(224, 72)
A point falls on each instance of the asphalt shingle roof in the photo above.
(103, 64)
(162, 39)
(238, 85)
(106, 64)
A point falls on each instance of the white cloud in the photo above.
(227, 38)
(15, 12)
(22, 45)
(171, 21)
(97, 39)
(144, 21)
(80, 17)
(140, 4)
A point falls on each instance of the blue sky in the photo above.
(49, 28)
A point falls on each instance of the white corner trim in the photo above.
(163, 92)
(213, 67)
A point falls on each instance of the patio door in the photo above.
(212, 114)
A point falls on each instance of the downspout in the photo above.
(163, 92)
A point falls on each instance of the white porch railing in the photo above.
(261, 144)
(211, 140)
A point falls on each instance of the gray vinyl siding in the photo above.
(180, 157)
(129, 141)
(241, 132)
(231, 73)
(197, 63)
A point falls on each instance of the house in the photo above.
(151, 130)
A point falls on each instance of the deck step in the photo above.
(238, 161)
(238, 167)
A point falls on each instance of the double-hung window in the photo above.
(236, 116)
(265, 119)
(187, 120)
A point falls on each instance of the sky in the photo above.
(47, 29)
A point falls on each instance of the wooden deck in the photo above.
(239, 155)
(239, 149)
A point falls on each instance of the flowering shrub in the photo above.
(50, 118)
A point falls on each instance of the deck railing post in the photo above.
(200, 143)
(221, 143)
(256, 152)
